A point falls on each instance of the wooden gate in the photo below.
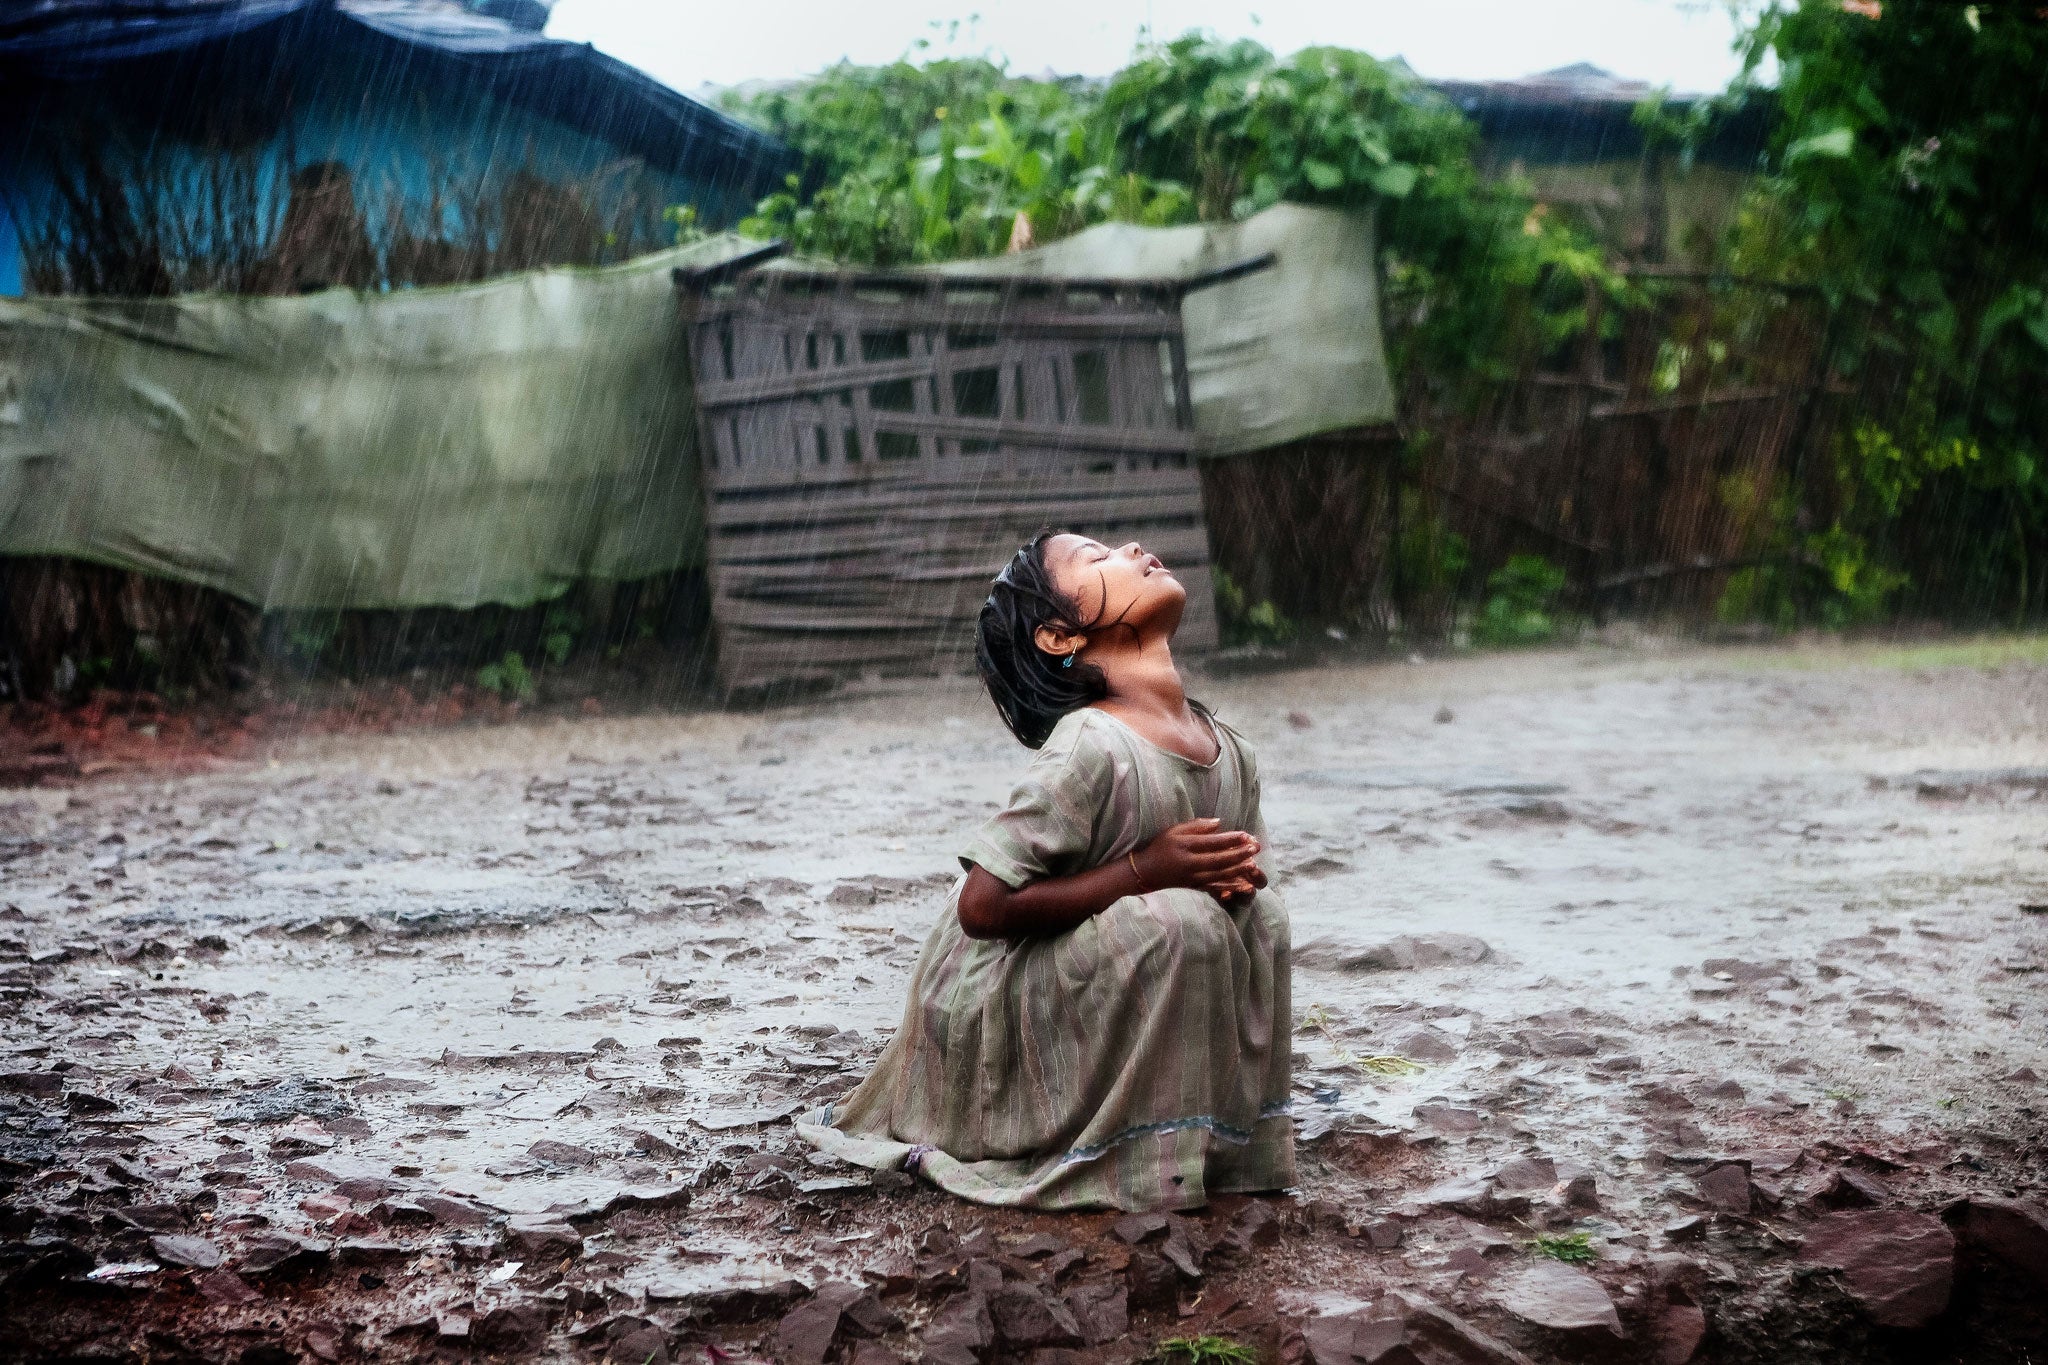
(875, 446)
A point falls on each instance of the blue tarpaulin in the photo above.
(82, 40)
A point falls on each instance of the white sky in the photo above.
(1683, 44)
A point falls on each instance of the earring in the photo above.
(1068, 662)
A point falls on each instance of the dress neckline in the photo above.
(1215, 733)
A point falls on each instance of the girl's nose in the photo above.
(1134, 549)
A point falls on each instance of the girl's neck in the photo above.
(1142, 678)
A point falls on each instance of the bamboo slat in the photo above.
(877, 447)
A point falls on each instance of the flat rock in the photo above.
(328, 1169)
(1849, 1188)
(1725, 1187)
(294, 1097)
(647, 1197)
(1101, 1310)
(1466, 1194)
(962, 1324)
(562, 1154)
(2009, 1230)
(514, 1328)
(1404, 952)
(1422, 1045)
(1404, 1327)
(1897, 1264)
(643, 1346)
(1559, 1043)
(739, 1302)
(270, 1251)
(542, 1236)
(1254, 1225)
(1137, 1227)
(1151, 1281)
(1026, 1317)
(459, 1213)
(369, 1251)
(1353, 1338)
(226, 1289)
(1450, 1118)
(1526, 1173)
(1036, 1245)
(194, 1253)
(1554, 1295)
(1680, 1329)
(154, 1217)
(1741, 973)
(806, 1332)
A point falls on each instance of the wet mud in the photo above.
(1652, 1005)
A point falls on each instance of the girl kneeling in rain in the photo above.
(1102, 1019)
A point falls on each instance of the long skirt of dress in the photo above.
(1139, 1061)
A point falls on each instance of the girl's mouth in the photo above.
(1152, 563)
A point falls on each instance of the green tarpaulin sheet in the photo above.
(424, 447)
(1275, 356)
(497, 442)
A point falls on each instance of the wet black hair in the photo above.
(1031, 688)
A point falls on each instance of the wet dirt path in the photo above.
(486, 1040)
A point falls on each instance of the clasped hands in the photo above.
(1201, 855)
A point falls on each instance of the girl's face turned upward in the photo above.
(1126, 585)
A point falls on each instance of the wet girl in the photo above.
(1102, 1018)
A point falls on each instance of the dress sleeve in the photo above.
(1049, 824)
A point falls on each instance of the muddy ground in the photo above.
(1712, 982)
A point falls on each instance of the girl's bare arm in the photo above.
(1198, 854)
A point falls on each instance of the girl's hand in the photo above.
(1238, 891)
(1198, 855)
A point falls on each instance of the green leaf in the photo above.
(1394, 180)
(2010, 306)
(1169, 120)
(1322, 174)
(2037, 328)
(1835, 142)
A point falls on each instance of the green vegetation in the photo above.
(1250, 623)
(1897, 181)
(1893, 204)
(942, 161)
(1521, 602)
(1318, 1018)
(559, 628)
(1573, 1248)
(509, 677)
(1204, 1350)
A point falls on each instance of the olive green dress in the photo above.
(1138, 1061)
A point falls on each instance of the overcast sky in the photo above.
(1683, 44)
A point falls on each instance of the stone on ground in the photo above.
(1897, 1264)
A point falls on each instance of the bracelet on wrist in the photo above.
(1132, 858)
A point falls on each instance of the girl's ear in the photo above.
(1053, 640)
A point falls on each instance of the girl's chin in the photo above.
(1165, 593)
